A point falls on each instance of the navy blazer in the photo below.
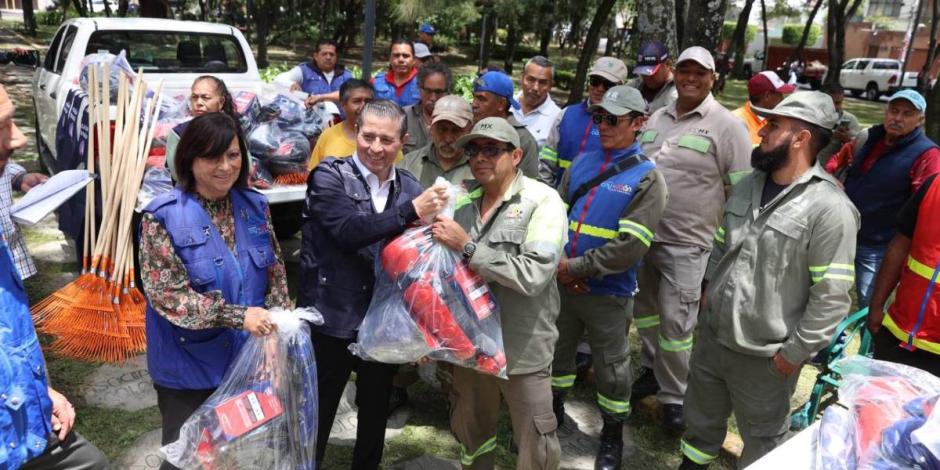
(342, 236)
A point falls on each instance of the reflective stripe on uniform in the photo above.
(639, 231)
(720, 235)
(599, 232)
(675, 346)
(562, 163)
(563, 381)
(733, 177)
(694, 454)
(834, 271)
(903, 336)
(613, 406)
(468, 198)
(919, 268)
(468, 458)
(548, 154)
(646, 322)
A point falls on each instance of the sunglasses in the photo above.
(599, 81)
(610, 119)
(488, 151)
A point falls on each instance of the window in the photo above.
(173, 52)
(889, 8)
(64, 51)
(850, 65)
(862, 64)
(886, 65)
(49, 63)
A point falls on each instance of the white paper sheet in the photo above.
(45, 198)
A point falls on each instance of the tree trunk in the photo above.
(682, 15)
(260, 12)
(923, 79)
(574, 36)
(839, 12)
(512, 40)
(932, 125)
(910, 44)
(123, 5)
(153, 9)
(763, 19)
(657, 23)
(80, 8)
(485, 34)
(107, 8)
(587, 52)
(798, 51)
(703, 28)
(611, 37)
(29, 19)
(739, 40)
(545, 35)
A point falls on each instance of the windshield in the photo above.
(173, 52)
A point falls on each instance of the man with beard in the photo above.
(777, 285)
(451, 120)
(434, 82)
(537, 111)
(701, 149)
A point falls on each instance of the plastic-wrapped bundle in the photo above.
(282, 152)
(247, 107)
(427, 302)
(260, 177)
(117, 65)
(836, 445)
(264, 414)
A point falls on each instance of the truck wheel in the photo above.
(287, 219)
(871, 92)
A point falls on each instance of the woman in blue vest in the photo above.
(210, 265)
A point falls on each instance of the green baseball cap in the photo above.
(621, 100)
(813, 107)
(495, 128)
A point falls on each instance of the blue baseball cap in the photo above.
(497, 83)
(427, 29)
(650, 56)
(913, 96)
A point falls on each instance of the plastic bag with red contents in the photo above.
(428, 302)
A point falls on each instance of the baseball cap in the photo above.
(813, 107)
(914, 97)
(427, 28)
(497, 83)
(421, 50)
(610, 68)
(621, 100)
(698, 54)
(495, 128)
(452, 108)
(766, 82)
(650, 56)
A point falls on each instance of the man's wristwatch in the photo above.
(468, 250)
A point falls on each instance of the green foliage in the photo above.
(450, 17)
(355, 70)
(49, 18)
(463, 85)
(782, 9)
(793, 32)
(501, 35)
(269, 73)
(727, 31)
(563, 79)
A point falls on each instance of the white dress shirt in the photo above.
(539, 121)
(378, 191)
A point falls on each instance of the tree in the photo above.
(763, 19)
(923, 78)
(839, 12)
(682, 14)
(29, 19)
(807, 30)
(932, 125)
(741, 38)
(910, 44)
(657, 23)
(590, 45)
(793, 33)
(703, 27)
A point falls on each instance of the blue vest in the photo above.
(576, 130)
(591, 225)
(880, 193)
(185, 359)
(25, 406)
(316, 83)
(386, 91)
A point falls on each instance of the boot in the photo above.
(558, 405)
(690, 465)
(672, 418)
(645, 385)
(610, 453)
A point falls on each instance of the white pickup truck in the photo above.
(176, 51)
(875, 77)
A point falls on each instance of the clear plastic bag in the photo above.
(157, 181)
(427, 302)
(264, 414)
(887, 404)
(117, 65)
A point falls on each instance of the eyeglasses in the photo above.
(488, 151)
(600, 81)
(610, 119)
(434, 91)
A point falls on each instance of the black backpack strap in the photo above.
(619, 167)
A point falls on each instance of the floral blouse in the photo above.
(166, 281)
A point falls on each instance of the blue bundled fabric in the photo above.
(264, 413)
